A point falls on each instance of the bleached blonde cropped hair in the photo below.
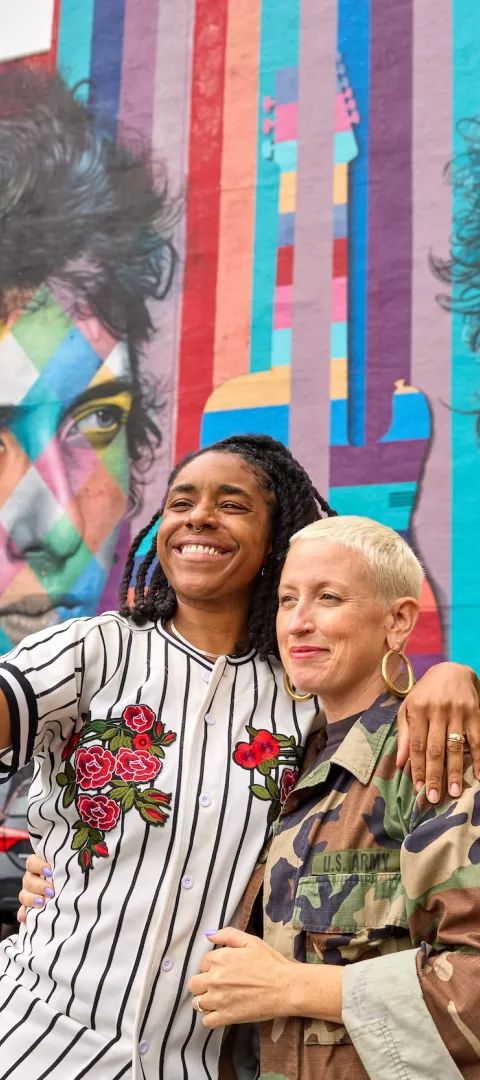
(395, 568)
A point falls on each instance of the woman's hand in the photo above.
(249, 981)
(444, 702)
(37, 885)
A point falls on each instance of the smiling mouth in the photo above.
(201, 550)
(29, 614)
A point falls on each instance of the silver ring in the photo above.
(196, 1003)
(455, 737)
(197, 530)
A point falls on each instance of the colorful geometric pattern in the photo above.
(256, 102)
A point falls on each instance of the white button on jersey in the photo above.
(187, 882)
(209, 719)
(206, 676)
(205, 800)
(167, 964)
(143, 1047)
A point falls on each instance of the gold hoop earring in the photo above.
(292, 693)
(386, 678)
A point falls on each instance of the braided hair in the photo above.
(294, 502)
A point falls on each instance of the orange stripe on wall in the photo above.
(238, 178)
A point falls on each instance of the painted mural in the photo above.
(216, 217)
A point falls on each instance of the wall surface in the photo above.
(306, 145)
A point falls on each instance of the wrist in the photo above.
(315, 990)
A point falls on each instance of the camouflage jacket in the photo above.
(365, 873)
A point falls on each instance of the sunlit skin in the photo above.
(332, 628)
(213, 571)
(65, 398)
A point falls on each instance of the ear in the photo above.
(400, 622)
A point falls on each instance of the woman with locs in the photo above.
(164, 739)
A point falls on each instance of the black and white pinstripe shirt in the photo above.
(157, 775)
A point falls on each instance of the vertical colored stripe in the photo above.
(354, 47)
(279, 44)
(172, 91)
(75, 42)
(432, 60)
(106, 62)
(205, 161)
(138, 67)
(312, 284)
(390, 224)
(237, 208)
(465, 612)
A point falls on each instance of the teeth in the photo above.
(193, 549)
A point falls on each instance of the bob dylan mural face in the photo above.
(84, 248)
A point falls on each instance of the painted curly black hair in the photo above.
(461, 270)
(88, 214)
(295, 502)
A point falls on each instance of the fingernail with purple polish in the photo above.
(49, 893)
(38, 901)
(210, 933)
(46, 872)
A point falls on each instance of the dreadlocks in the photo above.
(295, 502)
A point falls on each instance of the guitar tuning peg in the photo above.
(267, 149)
(269, 104)
(268, 126)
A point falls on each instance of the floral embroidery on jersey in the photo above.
(267, 752)
(103, 780)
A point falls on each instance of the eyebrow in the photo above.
(223, 489)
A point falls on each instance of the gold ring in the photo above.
(456, 737)
(196, 1003)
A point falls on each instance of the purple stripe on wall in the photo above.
(390, 208)
(312, 287)
(431, 327)
(138, 67)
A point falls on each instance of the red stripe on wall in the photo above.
(44, 61)
(202, 221)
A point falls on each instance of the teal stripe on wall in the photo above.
(465, 612)
(75, 42)
(279, 45)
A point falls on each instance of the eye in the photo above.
(286, 599)
(232, 506)
(98, 425)
(178, 504)
(329, 597)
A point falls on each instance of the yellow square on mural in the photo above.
(288, 191)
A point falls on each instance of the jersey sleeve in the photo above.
(43, 680)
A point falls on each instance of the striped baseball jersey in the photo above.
(365, 873)
(158, 775)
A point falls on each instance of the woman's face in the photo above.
(218, 494)
(331, 628)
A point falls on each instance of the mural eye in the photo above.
(99, 426)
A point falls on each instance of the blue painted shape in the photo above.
(338, 340)
(75, 43)
(281, 347)
(90, 583)
(346, 147)
(106, 63)
(265, 420)
(338, 422)
(410, 420)
(286, 86)
(279, 45)
(286, 230)
(465, 375)
(340, 221)
(391, 504)
(354, 47)
(285, 154)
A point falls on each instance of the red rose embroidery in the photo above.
(71, 745)
(99, 811)
(137, 765)
(138, 717)
(288, 780)
(268, 747)
(142, 742)
(93, 767)
(247, 755)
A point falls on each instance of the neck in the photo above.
(353, 700)
(215, 632)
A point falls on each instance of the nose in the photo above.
(300, 621)
(202, 515)
(40, 515)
